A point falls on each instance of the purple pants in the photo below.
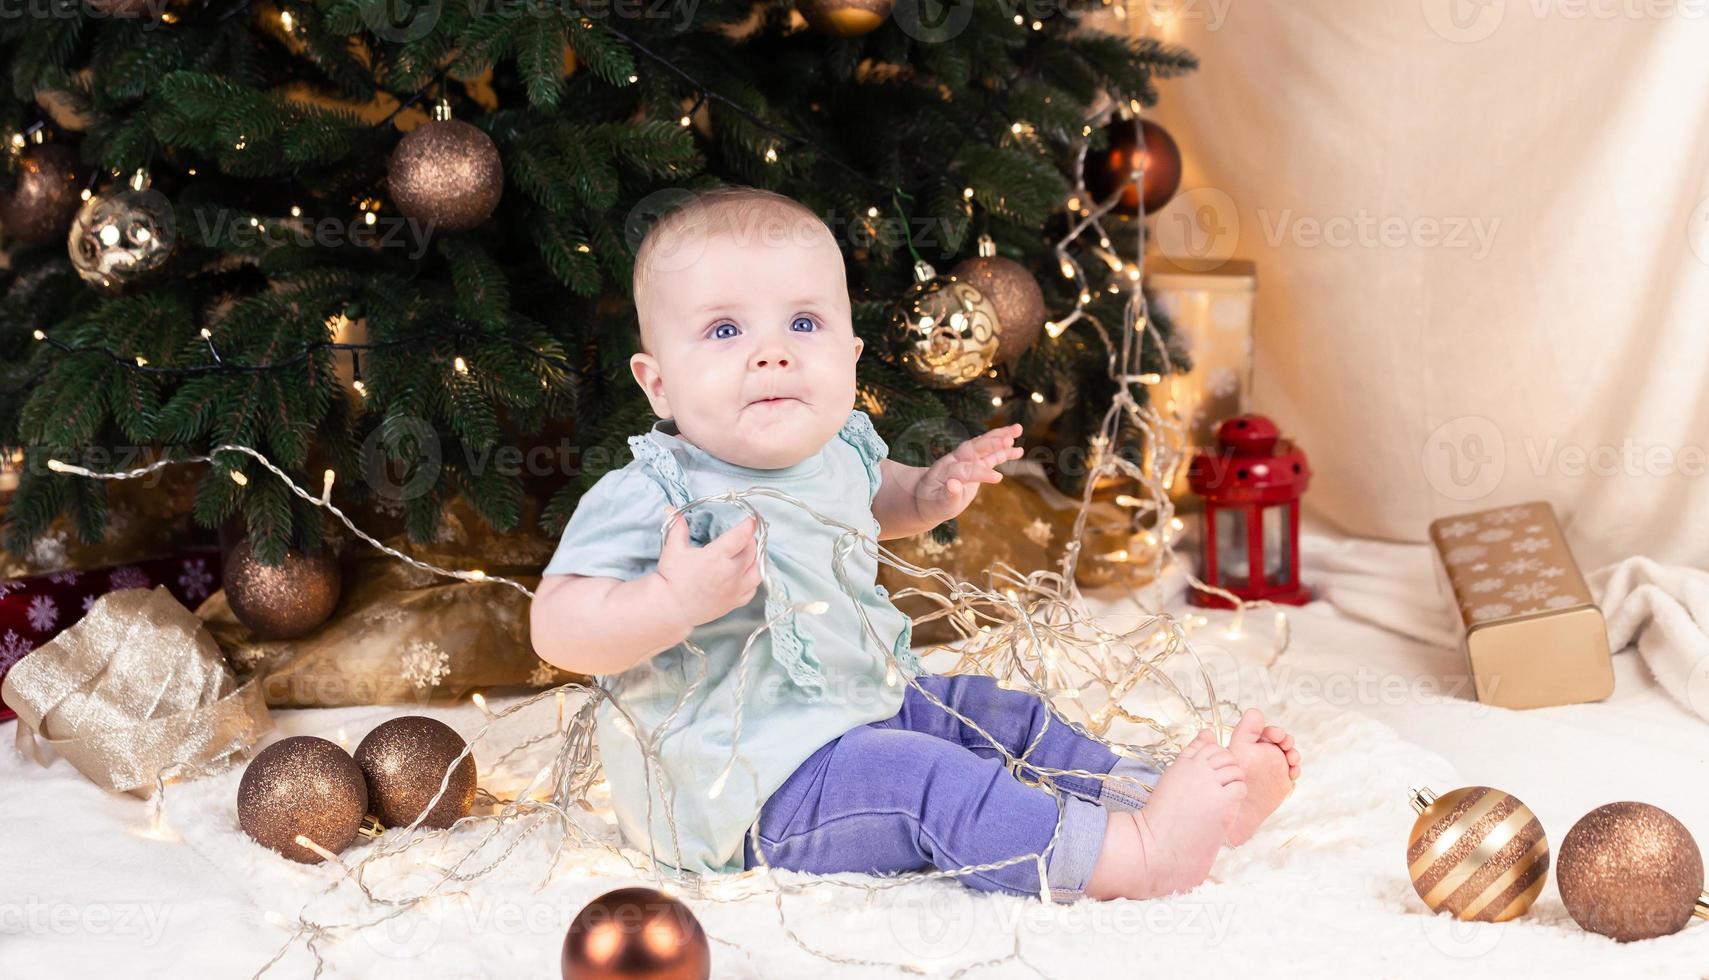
(921, 789)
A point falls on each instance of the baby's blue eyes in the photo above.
(724, 331)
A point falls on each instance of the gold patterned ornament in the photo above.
(1476, 853)
(944, 330)
(405, 761)
(44, 195)
(121, 237)
(281, 601)
(1013, 293)
(446, 173)
(302, 787)
(136, 690)
(1631, 871)
(845, 18)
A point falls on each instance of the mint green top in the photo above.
(810, 677)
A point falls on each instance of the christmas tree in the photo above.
(338, 232)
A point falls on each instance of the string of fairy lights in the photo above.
(1034, 632)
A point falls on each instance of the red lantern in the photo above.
(1252, 486)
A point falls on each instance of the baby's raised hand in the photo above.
(948, 485)
(708, 582)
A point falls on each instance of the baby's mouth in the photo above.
(773, 400)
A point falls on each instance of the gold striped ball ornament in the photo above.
(845, 18)
(1477, 853)
(944, 331)
(1631, 871)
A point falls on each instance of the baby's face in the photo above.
(752, 347)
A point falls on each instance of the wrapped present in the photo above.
(33, 610)
(1532, 634)
(134, 693)
(404, 635)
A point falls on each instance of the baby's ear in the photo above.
(646, 370)
(859, 346)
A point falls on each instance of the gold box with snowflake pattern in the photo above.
(1531, 632)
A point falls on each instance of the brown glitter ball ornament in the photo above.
(845, 18)
(1013, 292)
(1114, 165)
(1631, 871)
(45, 196)
(944, 330)
(446, 173)
(404, 761)
(280, 602)
(302, 785)
(636, 934)
(1477, 853)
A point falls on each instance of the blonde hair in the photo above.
(749, 213)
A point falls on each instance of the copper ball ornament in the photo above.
(45, 195)
(636, 934)
(302, 786)
(1013, 292)
(1113, 167)
(121, 237)
(845, 18)
(446, 174)
(404, 761)
(283, 601)
(1631, 871)
(944, 331)
(1476, 853)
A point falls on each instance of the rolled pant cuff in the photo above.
(1124, 795)
(1081, 840)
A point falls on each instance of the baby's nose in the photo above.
(769, 358)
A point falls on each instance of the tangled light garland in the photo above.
(1032, 632)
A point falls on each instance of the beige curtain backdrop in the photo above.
(1482, 242)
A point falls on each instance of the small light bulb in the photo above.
(480, 702)
(207, 334)
(296, 212)
(1038, 398)
(285, 20)
(461, 365)
(771, 155)
(996, 401)
(818, 607)
(872, 212)
(1067, 268)
(238, 478)
(967, 192)
(141, 361)
(368, 217)
(684, 122)
(38, 335)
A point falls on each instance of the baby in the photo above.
(748, 358)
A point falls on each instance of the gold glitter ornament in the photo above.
(845, 18)
(944, 330)
(1631, 871)
(1477, 853)
(1013, 293)
(280, 602)
(302, 786)
(446, 173)
(44, 196)
(119, 238)
(635, 934)
(404, 762)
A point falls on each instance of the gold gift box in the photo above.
(1532, 634)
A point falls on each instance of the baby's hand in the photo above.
(948, 485)
(708, 582)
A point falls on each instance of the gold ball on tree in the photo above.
(446, 173)
(845, 18)
(405, 761)
(1630, 871)
(1476, 853)
(302, 786)
(120, 237)
(283, 601)
(944, 331)
(635, 934)
(1013, 292)
(44, 196)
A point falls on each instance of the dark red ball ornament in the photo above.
(1114, 165)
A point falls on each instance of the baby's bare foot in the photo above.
(1271, 763)
(1168, 846)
